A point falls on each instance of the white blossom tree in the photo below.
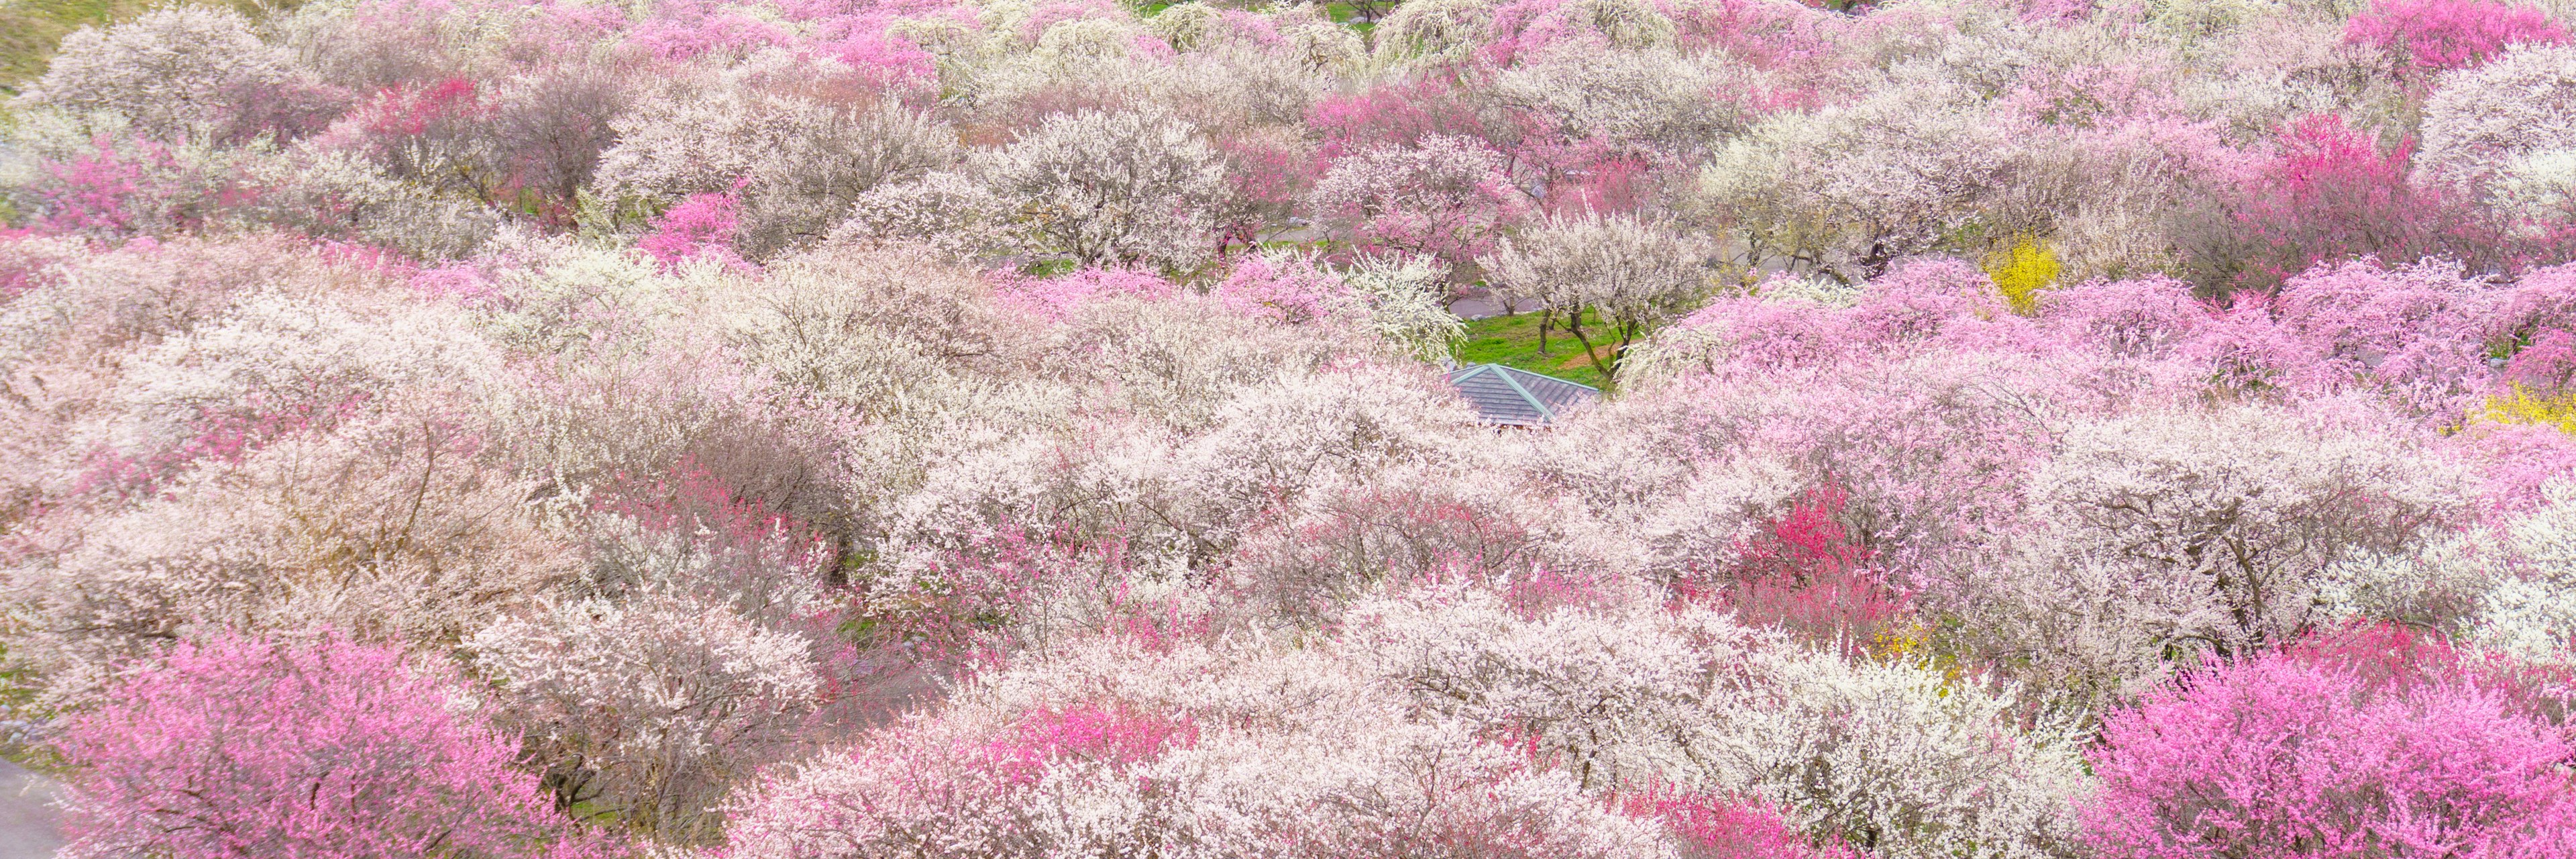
(1125, 188)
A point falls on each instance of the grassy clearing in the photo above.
(1512, 341)
(29, 29)
(1345, 15)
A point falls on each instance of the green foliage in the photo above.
(1050, 267)
(1512, 341)
(1349, 16)
(18, 704)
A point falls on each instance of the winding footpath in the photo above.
(28, 821)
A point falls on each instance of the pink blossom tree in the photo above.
(2274, 757)
(1402, 113)
(426, 133)
(1446, 197)
(314, 749)
(1709, 827)
(2332, 193)
(2410, 331)
(1054, 298)
(1287, 288)
(701, 226)
(117, 187)
(1802, 573)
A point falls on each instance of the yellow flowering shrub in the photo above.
(2020, 272)
(2522, 406)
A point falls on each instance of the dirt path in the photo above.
(1478, 304)
(27, 816)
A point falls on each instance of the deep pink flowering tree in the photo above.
(428, 133)
(1711, 827)
(121, 187)
(316, 749)
(1108, 734)
(435, 109)
(2332, 193)
(1802, 572)
(703, 225)
(92, 192)
(884, 58)
(2281, 757)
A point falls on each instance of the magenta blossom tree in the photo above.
(2277, 756)
(2332, 193)
(322, 749)
(1711, 827)
(704, 225)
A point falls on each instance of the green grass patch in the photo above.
(1512, 341)
(1050, 267)
(29, 29)
(1349, 16)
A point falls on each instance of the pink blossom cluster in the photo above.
(2279, 756)
(319, 748)
(969, 428)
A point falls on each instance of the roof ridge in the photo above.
(1545, 414)
(1509, 395)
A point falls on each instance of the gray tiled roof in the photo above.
(1514, 397)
